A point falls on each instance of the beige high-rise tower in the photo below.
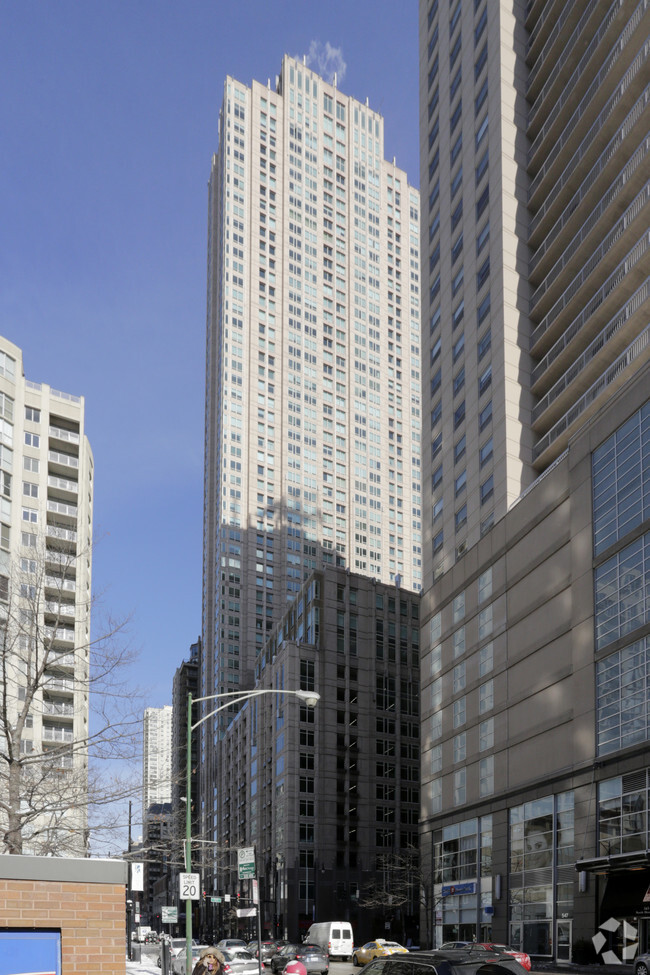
(46, 471)
(313, 362)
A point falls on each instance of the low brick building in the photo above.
(81, 902)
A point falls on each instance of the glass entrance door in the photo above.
(563, 941)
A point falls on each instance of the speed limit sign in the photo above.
(189, 884)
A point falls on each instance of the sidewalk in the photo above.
(145, 967)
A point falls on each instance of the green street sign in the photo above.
(246, 863)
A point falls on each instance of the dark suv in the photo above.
(452, 961)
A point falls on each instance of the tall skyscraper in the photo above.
(534, 162)
(533, 242)
(313, 365)
(46, 480)
(156, 757)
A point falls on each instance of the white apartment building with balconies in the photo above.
(46, 498)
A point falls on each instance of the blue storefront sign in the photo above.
(449, 890)
(30, 953)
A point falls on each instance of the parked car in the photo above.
(376, 949)
(176, 947)
(268, 949)
(451, 961)
(312, 957)
(521, 956)
(450, 945)
(642, 964)
(231, 943)
(180, 961)
(239, 961)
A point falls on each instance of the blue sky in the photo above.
(108, 121)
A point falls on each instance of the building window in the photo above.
(622, 603)
(459, 678)
(622, 679)
(460, 747)
(485, 452)
(484, 345)
(458, 607)
(459, 786)
(485, 380)
(459, 712)
(436, 795)
(459, 449)
(486, 697)
(458, 640)
(486, 776)
(485, 417)
(486, 734)
(485, 659)
(621, 480)
(483, 237)
(485, 585)
(487, 489)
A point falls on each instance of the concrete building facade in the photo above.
(313, 369)
(46, 504)
(329, 796)
(534, 736)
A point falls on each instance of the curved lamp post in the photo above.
(310, 698)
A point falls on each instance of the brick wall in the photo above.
(89, 913)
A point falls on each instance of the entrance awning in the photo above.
(621, 863)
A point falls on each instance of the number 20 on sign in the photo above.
(190, 884)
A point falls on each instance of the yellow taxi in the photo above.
(376, 949)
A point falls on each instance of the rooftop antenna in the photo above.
(335, 79)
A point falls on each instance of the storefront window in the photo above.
(541, 853)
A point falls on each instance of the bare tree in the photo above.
(402, 886)
(66, 708)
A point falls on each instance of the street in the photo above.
(150, 952)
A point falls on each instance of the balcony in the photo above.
(65, 660)
(60, 583)
(621, 283)
(618, 332)
(57, 733)
(59, 709)
(59, 609)
(556, 169)
(58, 683)
(611, 65)
(613, 247)
(611, 161)
(57, 458)
(65, 538)
(555, 441)
(66, 436)
(60, 634)
(62, 485)
(63, 508)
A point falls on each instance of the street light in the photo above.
(310, 698)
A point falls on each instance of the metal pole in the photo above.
(188, 836)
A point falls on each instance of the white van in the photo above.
(334, 937)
